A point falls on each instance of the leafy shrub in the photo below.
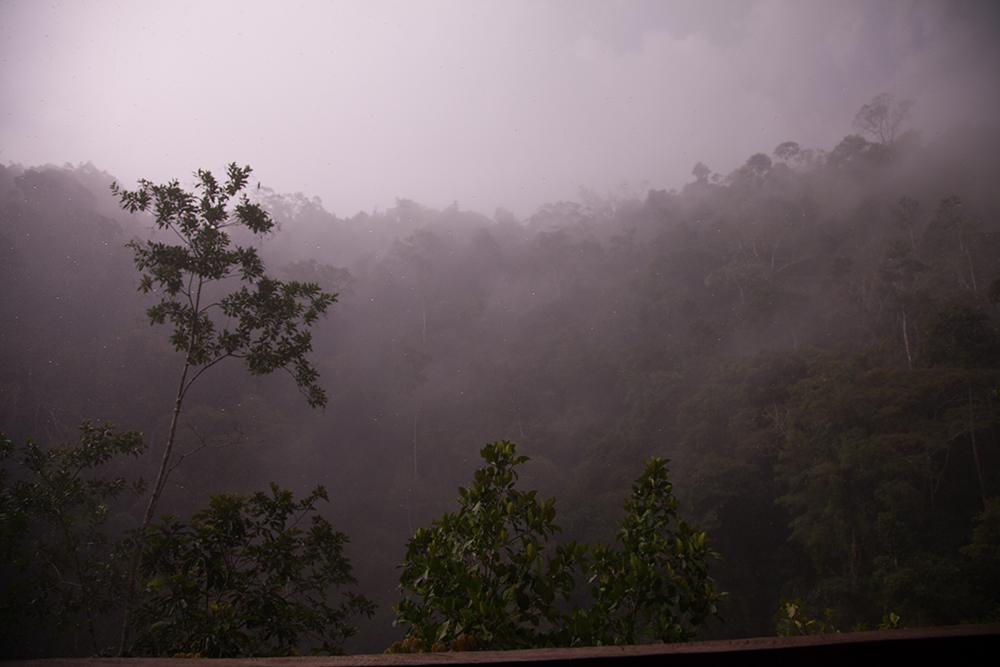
(243, 579)
(62, 576)
(485, 571)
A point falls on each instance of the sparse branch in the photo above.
(881, 120)
(204, 445)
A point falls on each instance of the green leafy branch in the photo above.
(52, 532)
(244, 578)
(486, 572)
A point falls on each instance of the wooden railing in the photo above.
(953, 644)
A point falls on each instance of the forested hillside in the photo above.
(812, 340)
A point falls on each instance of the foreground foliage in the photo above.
(249, 576)
(244, 578)
(792, 622)
(656, 585)
(485, 572)
(482, 571)
(54, 538)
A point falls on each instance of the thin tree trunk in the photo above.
(854, 559)
(416, 413)
(423, 319)
(161, 480)
(906, 341)
(937, 484)
(409, 517)
(975, 449)
(161, 476)
(972, 268)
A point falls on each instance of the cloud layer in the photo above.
(489, 103)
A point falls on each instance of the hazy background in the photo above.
(488, 103)
(705, 325)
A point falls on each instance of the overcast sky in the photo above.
(512, 103)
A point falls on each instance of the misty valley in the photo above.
(771, 395)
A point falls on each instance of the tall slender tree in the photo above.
(264, 322)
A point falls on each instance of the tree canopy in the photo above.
(881, 119)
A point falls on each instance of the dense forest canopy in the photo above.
(812, 340)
